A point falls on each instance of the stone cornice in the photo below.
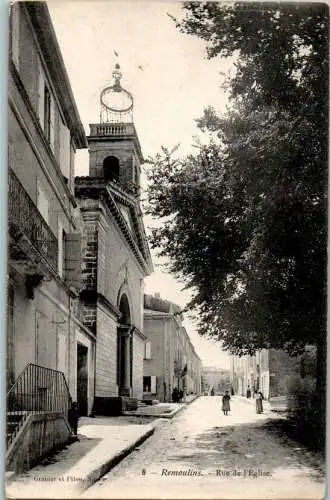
(138, 333)
(95, 188)
(105, 302)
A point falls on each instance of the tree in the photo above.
(244, 220)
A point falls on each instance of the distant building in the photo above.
(170, 357)
(271, 371)
(215, 378)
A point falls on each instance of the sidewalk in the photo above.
(265, 404)
(162, 410)
(103, 443)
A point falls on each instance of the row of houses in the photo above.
(77, 251)
(171, 361)
(274, 373)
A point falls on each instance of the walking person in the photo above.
(259, 398)
(248, 392)
(225, 403)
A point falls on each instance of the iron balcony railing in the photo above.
(112, 129)
(37, 389)
(25, 219)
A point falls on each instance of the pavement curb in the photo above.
(101, 470)
(161, 415)
(94, 475)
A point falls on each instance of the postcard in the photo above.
(167, 249)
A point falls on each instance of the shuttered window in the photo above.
(64, 150)
(72, 268)
(153, 388)
(41, 95)
(147, 350)
(46, 107)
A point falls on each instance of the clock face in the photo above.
(117, 100)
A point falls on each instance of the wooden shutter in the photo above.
(52, 122)
(64, 150)
(60, 247)
(148, 350)
(41, 94)
(73, 260)
(153, 388)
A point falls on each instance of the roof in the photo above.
(155, 303)
(44, 29)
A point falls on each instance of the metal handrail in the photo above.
(37, 389)
(25, 219)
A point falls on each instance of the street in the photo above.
(202, 453)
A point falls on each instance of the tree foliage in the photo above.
(244, 220)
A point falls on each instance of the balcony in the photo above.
(112, 129)
(33, 248)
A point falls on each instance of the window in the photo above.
(72, 255)
(146, 384)
(46, 108)
(14, 12)
(147, 352)
(150, 384)
(42, 202)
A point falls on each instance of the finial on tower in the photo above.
(116, 102)
(117, 74)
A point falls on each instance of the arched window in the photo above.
(125, 310)
(111, 168)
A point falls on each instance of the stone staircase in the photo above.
(13, 424)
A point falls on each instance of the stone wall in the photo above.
(39, 435)
(138, 355)
(106, 354)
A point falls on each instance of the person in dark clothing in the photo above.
(225, 403)
(248, 392)
(73, 417)
(175, 395)
(259, 406)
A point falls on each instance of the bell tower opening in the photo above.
(111, 168)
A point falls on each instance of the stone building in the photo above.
(270, 371)
(47, 345)
(116, 255)
(170, 357)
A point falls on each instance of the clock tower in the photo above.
(115, 151)
(116, 256)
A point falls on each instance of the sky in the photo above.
(170, 78)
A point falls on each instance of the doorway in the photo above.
(82, 379)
